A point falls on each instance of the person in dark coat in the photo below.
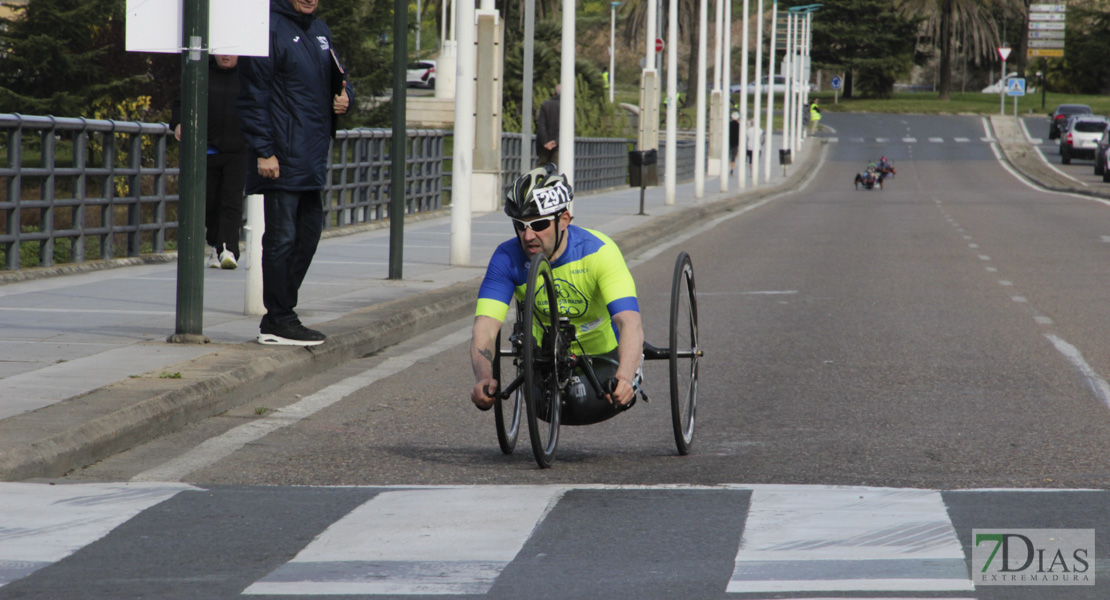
(225, 174)
(733, 141)
(547, 130)
(287, 105)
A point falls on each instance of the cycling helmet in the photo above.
(538, 193)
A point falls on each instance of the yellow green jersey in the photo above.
(592, 283)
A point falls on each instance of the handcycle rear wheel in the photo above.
(684, 353)
(506, 411)
(541, 361)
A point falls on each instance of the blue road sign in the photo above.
(835, 82)
(1015, 87)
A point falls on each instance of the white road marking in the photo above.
(42, 524)
(909, 140)
(973, 245)
(1005, 283)
(430, 541)
(1020, 299)
(936, 140)
(984, 257)
(962, 140)
(1044, 320)
(219, 447)
(1098, 385)
(838, 539)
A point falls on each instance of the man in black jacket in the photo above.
(286, 104)
(223, 211)
(547, 130)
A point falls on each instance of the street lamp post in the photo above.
(801, 39)
(612, 48)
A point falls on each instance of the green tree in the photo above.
(1084, 68)
(363, 34)
(60, 56)
(872, 43)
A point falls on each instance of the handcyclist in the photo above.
(594, 288)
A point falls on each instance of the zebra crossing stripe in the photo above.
(848, 540)
(420, 541)
(42, 524)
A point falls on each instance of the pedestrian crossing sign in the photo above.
(1015, 87)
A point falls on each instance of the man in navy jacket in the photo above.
(286, 103)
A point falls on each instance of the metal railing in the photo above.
(77, 189)
(359, 175)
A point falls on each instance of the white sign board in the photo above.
(1004, 53)
(240, 27)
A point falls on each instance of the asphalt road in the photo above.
(946, 332)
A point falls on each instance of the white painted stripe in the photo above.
(992, 269)
(1044, 321)
(858, 139)
(962, 140)
(988, 140)
(217, 448)
(936, 140)
(905, 534)
(1005, 283)
(1105, 239)
(86, 311)
(1020, 299)
(909, 140)
(431, 541)
(973, 245)
(43, 524)
(832, 139)
(882, 140)
(1098, 385)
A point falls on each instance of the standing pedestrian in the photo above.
(733, 141)
(226, 162)
(547, 130)
(756, 138)
(287, 104)
(814, 117)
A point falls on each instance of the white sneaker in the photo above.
(227, 259)
(214, 260)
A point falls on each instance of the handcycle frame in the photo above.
(546, 365)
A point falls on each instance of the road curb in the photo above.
(55, 440)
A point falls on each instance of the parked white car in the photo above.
(999, 86)
(1081, 137)
(780, 86)
(421, 73)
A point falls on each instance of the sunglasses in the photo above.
(537, 225)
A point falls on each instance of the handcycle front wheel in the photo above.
(506, 411)
(684, 353)
(541, 361)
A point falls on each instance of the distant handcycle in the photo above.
(546, 367)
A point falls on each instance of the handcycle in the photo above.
(545, 365)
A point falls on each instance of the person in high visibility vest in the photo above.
(605, 77)
(814, 116)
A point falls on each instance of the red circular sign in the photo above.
(658, 44)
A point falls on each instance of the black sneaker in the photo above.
(290, 334)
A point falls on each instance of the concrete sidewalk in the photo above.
(86, 371)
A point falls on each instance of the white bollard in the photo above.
(256, 226)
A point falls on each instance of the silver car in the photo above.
(1080, 139)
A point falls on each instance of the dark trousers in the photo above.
(223, 215)
(294, 221)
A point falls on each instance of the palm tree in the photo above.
(973, 18)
